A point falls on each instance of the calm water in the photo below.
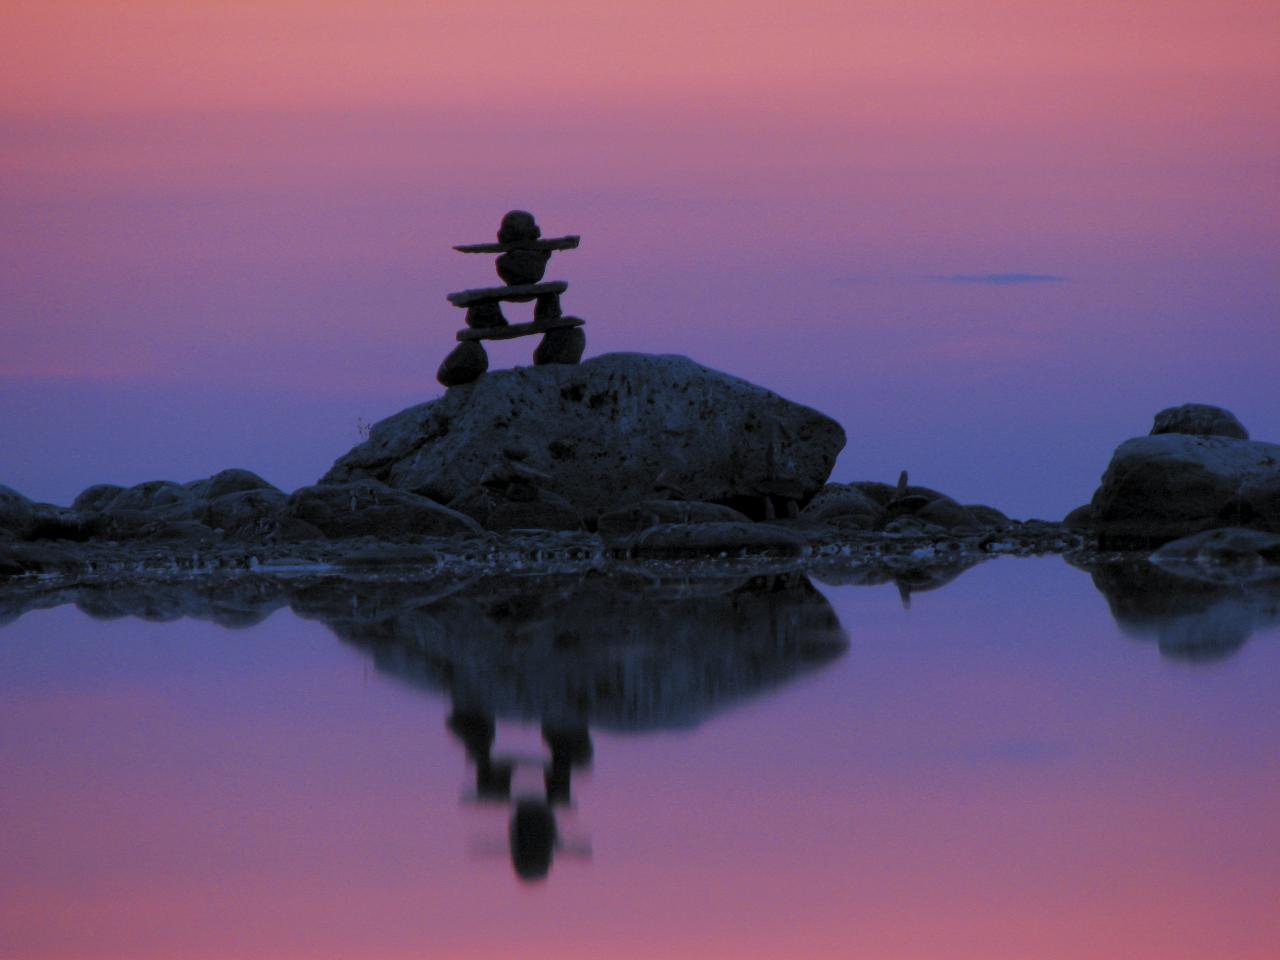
(1018, 763)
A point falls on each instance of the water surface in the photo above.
(1017, 763)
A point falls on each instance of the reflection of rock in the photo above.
(1194, 620)
(626, 654)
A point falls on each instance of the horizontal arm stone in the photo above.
(518, 293)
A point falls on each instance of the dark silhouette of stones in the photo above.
(1228, 555)
(988, 517)
(235, 480)
(522, 266)
(650, 513)
(1081, 518)
(846, 506)
(513, 330)
(518, 226)
(516, 293)
(564, 345)
(464, 364)
(485, 316)
(246, 512)
(17, 512)
(949, 515)
(619, 653)
(1199, 419)
(546, 307)
(97, 497)
(1160, 488)
(367, 508)
(690, 540)
(530, 509)
(156, 496)
(605, 431)
(1192, 619)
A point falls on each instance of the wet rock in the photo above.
(605, 431)
(180, 531)
(1230, 555)
(1199, 419)
(650, 513)
(846, 505)
(564, 345)
(1159, 488)
(368, 508)
(675, 540)
(498, 511)
(949, 515)
(988, 517)
(464, 364)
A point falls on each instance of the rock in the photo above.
(245, 511)
(493, 510)
(948, 514)
(368, 508)
(518, 226)
(688, 540)
(155, 496)
(522, 266)
(16, 512)
(560, 346)
(1160, 488)
(651, 513)
(464, 364)
(181, 531)
(1229, 555)
(606, 430)
(846, 505)
(908, 505)
(224, 482)
(1081, 518)
(1199, 419)
(988, 517)
(885, 493)
(97, 497)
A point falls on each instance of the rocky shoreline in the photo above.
(634, 459)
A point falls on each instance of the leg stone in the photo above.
(484, 315)
(465, 363)
(547, 307)
(560, 346)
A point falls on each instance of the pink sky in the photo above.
(228, 225)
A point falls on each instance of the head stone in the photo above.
(518, 226)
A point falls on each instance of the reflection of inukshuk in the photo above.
(523, 260)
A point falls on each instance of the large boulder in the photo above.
(1162, 487)
(617, 429)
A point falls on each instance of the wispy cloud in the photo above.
(999, 279)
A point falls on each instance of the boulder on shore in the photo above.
(1159, 488)
(617, 429)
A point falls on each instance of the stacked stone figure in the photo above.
(522, 261)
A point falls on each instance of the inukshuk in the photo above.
(521, 264)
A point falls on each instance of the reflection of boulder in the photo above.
(1190, 619)
(570, 651)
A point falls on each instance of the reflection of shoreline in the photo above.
(619, 653)
(1192, 620)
